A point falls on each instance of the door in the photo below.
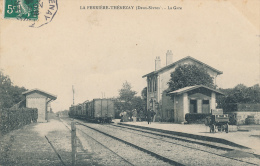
(193, 106)
(205, 107)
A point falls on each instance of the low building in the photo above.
(157, 84)
(193, 99)
(41, 100)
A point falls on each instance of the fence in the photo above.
(11, 119)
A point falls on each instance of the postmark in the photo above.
(47, 11)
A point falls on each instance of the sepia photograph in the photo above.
(129, 82)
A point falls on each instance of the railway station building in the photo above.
(195, 99)
(39, 99)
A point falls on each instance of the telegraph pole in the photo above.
(73, 93)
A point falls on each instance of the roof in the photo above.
(189, 88)
(175, 63)
(51, 96)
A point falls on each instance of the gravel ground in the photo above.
(237, 153)
(28, 146)
(106, 157)
(178, 153)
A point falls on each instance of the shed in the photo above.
(39, 99)
(193, 99)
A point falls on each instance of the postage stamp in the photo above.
(41, 12)
(21, 9)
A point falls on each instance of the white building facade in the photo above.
(157, 84)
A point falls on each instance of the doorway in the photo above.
(193, 106)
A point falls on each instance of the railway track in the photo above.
(126, 162)
(220, 150)
(132, 148)
(166, 148)
(117, 151)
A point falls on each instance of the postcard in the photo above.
(78, 51)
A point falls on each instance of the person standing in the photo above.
(152, 114)
(134, 115)
(124, 116)
(149, 115)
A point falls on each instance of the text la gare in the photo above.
(174, 8)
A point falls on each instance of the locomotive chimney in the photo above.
(169, 57)
(157, 63)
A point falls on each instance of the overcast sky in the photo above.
(97, 50)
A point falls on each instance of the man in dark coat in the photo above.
(149, 115)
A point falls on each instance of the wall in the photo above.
(213, 101)
(167, 107)
(38, 101)
(178, 109)
(200, 95)
(241, 117)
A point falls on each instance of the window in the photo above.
(205, 102)
(149, 85)
(152, 85)
(155, 84)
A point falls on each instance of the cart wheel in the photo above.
(226, 128)
(211, 128)
(223, 128)
(214, 128)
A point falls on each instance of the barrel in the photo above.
(232, 128)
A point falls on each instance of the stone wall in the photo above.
(242, 117)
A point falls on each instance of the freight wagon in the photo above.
(96, 110)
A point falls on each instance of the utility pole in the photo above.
(103, 95)
(73, 93)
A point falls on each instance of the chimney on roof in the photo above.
(169, 57)
(157, 63)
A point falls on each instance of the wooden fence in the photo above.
(11, 119)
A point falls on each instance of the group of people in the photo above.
(132, 115)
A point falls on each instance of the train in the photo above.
(96, 110)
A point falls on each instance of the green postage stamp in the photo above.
(21, 9)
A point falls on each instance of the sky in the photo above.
(96, 51)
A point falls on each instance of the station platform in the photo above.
(41, 144)
(246, 136)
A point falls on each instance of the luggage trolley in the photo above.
(217, 121)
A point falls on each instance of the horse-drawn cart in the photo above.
(217, 121)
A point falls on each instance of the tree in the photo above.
(127, 100)
(189, 75)
(138, 103)
(9, 94)
(144, 93)
(144, 97)
(126, 94)
(238, 94)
